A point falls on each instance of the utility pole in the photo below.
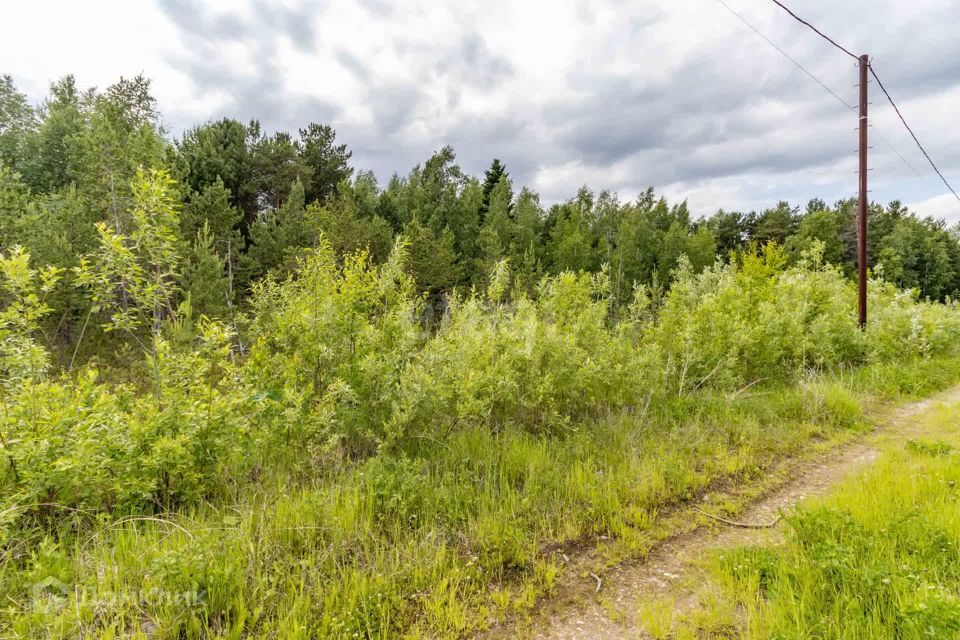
(862, 213)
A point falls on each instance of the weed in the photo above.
(357, 476)
(878, 559)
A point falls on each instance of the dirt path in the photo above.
(670, 572)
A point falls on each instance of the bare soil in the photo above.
(671, 571)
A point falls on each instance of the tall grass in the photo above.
(354, 475)
(879, 558)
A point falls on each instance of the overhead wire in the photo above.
(912, 134)
(885, 92)
(811, 76)
(817, 31)
(786, 55)
(899, 155)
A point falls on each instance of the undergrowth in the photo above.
(349, 473)
(879, 558)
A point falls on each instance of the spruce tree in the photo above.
(492, 177)
(204, 277)
(279, 235)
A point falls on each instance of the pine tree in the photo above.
(327, 162)
(432, 259)
(222, 150)
(204, 277)
(492, 178)
(279, 235)
(211, 208)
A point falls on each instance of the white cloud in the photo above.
(942, 206)
(673, 93)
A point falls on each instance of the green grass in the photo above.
(436, 542)
(878, 558)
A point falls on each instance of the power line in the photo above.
(899, 155)
(786, 55)
(820, 33)
(812, 76)
(885, 92)
(912, 134)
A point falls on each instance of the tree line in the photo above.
(247, 379)
(248, 204)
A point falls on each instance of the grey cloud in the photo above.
(352, 63)
(393, 107)
(475, 64)
(263, 96)
(378, 8)
(477, 141)
(269, 20)
(505, 137)
(619, 118)
(454, 95)
(295, 24)
(650, 15)
(253, 93)
(227, 26)
(700, 122)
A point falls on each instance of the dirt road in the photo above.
(670, 572)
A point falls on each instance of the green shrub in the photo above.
(329, 347)
(78, 443)
(340, 365)
(542, 363)
(22, 307)
(753, 321)
(901, 326)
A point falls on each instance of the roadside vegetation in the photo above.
(878, 558)
(356, 475)
(221, 419)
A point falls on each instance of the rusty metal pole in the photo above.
(862, 209)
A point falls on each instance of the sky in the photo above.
(675, 94)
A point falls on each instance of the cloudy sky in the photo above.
(678, 94)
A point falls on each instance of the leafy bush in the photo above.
(81, 444)
(755, 320)
(901, 326)
(24, 290)
(340, 365)
(330, 344)
(540, 363)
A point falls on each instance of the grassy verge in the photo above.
(431, 543)
(878, 558)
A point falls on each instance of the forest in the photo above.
(246, 390)
(249, 204)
